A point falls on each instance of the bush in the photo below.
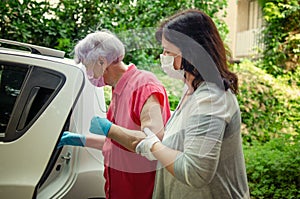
(273, 168)
(270, 108)
(281, 36)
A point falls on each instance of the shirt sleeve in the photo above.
(204, 129)
(140, 96)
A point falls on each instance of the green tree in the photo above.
(61, 25)
(281, 37)
(27, 21)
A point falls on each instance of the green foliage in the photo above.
(107, 95)
(281, 36)
(27, 22)
(273, 168)
(61, 25)
(270, 107)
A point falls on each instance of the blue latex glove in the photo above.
(73, 139)
(100, 126)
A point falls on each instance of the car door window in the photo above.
(25, 93)
(11, 80)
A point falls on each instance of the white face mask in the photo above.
(96, 82)
(167, 66)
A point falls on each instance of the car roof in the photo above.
(34, 51)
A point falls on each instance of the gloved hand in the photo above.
(100, 126)
(73, 139)
(144, 147)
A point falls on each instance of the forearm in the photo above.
(95, 141)
(165, 155)
(127, 138)
(151, 118)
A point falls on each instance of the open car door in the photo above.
(78, 172)
(36, 100)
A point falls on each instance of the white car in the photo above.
(43, 94)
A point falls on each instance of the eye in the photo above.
(167, 52)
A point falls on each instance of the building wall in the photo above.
(244, 20)
(231, 22)
(243, 15)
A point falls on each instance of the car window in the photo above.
(11, 80)
(25, 92)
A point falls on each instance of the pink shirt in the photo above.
(127, 174)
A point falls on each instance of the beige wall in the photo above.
(243, 15)
(231, 21)
(242, 37)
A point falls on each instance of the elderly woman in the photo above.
(137, 96)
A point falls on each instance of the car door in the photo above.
(85, 164)
(36, 100)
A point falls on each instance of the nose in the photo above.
(164, 52)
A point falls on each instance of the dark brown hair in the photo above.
(196, 35)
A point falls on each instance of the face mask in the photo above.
(96, 82)
(167, 66)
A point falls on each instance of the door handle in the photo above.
(67, 157)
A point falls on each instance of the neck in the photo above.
(189, 80)
(119, 69)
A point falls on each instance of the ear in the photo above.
(102, 61)
(119, 59)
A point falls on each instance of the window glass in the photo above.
(11, 80)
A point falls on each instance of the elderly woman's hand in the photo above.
(72, 139)
(100, 126)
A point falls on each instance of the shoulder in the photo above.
(208, 91)
(148, 75)
(146, 78)
(210, 99)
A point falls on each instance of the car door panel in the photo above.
(86, 163)
(29, 146)
(90, 180)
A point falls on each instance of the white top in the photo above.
(206, 129)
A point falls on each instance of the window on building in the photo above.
(255, 15)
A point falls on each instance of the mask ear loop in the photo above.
(105, 108)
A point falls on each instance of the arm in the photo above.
(76, 139)
(165, 155)
(200, 155)
(203, 125)
(94, 141)
(151, 117)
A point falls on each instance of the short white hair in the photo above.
(100, 43)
